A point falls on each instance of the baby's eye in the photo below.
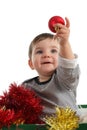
(54, 51)
(39, 52)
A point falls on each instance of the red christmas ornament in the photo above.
(54, 20)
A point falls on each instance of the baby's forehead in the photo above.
(47, 43)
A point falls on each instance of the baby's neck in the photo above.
(43, 79)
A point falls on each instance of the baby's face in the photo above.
(45, 56)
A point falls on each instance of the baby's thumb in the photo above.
(67, 22)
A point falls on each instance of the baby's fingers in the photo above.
(67, 22)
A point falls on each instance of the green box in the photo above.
(82, 127)
(37, 127)
(26, 127)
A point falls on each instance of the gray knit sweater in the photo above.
(60, 90)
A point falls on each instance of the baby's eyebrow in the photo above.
(51, 47)
(37, 48)
(55, 47)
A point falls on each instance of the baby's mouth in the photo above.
(46, 63)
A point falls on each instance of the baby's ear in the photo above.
(30, 64)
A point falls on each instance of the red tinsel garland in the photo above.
(19, 105)
(6, 117)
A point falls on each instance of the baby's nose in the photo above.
(46, 56)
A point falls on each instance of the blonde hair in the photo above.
(37, 39)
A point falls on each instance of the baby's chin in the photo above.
(51, 72)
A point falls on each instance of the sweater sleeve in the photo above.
(68, 73)
(66, 63)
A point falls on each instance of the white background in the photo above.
(22, 20)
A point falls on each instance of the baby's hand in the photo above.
(83, 119)
(62, 32)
